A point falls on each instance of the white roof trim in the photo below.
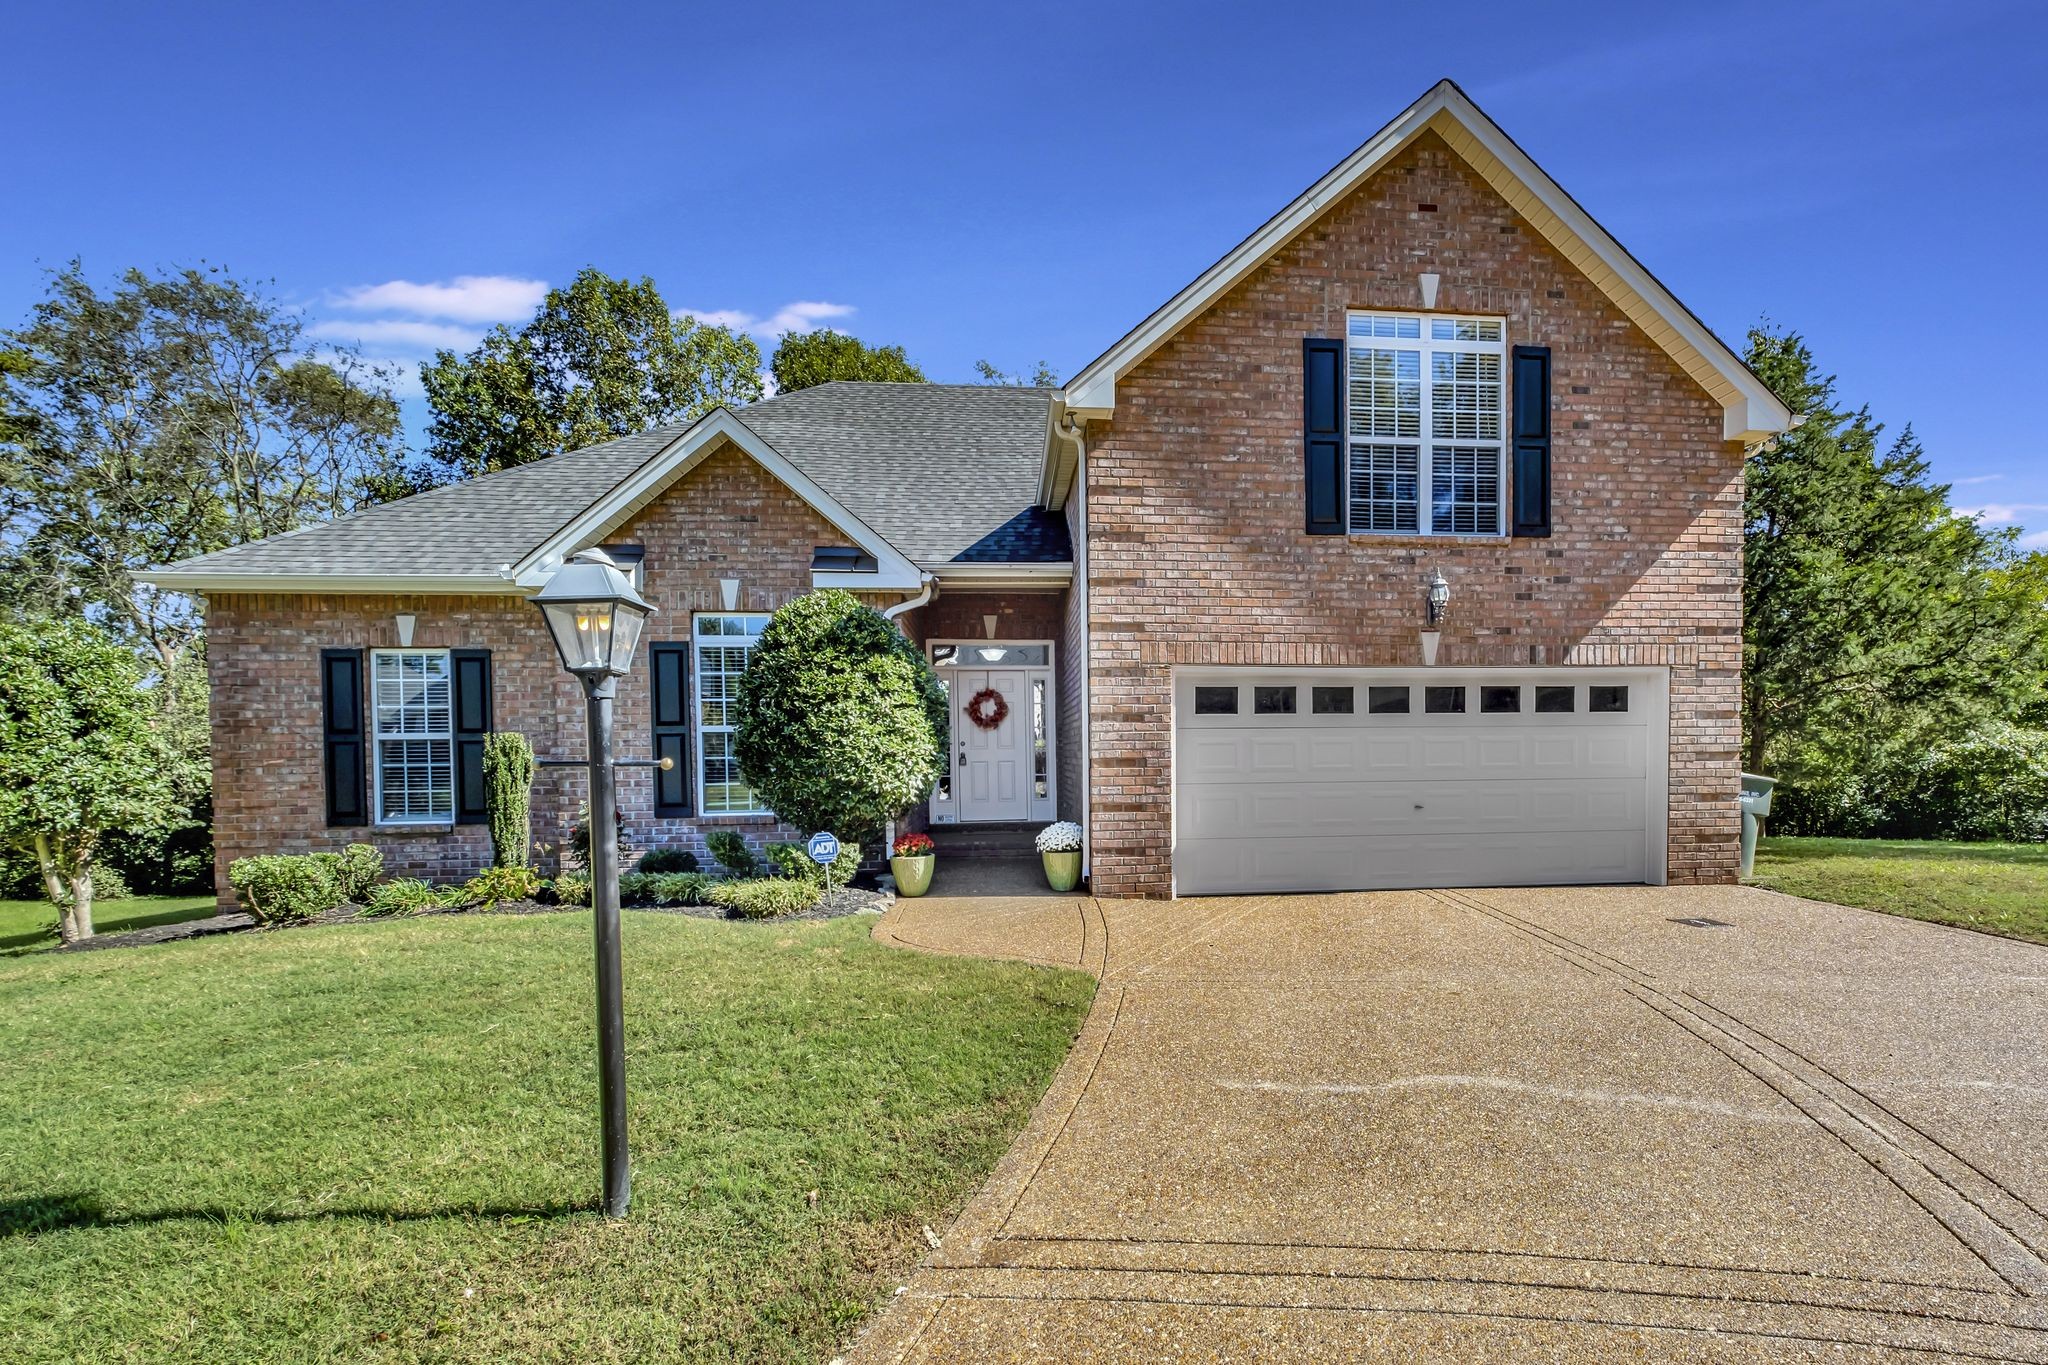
(1751, 412)
(1023, 573)
(227, 581)
(669, 464)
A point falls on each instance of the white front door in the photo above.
(992, 771)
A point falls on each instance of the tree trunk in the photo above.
(81, 901)
(53, 881)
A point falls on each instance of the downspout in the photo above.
(907, 605)
(1076, 434)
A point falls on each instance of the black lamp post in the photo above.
(595, 618)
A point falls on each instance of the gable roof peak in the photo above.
(1750, 411)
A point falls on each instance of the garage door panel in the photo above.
(1244, 866)
(1356, 809)
(1236, 756)
(1343, 802)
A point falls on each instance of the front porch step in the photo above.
(1009, 839)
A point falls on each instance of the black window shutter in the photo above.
(341, 724)
(670, 686)
(472, 723)
(1532, 440)
(1322, 387)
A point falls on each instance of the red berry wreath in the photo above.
(987, 709)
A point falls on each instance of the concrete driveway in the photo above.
(1580, 1124)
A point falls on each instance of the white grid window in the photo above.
(723, 645)
(1442, 437)
(413, 719)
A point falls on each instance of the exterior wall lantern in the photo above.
(595, 617)
(1439, 606)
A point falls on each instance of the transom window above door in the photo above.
(1425, 417)
(989, 656)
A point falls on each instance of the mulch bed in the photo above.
(847, 900)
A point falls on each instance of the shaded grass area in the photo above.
(379, 1141)
(28, 925)
(1999, 888)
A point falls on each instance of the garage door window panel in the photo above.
(1387, 701)
(1273, 701)
(1330, 701)
(1500, 701)
(1444, 701)
(1215, 701)
(1555, 700)
(1425, 418)
(1607, 699)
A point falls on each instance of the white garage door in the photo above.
(1342, 781)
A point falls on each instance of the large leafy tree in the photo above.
(1874, 614)
(806, 359)
(842, 723)
(1042, 376)
(82, 754)
(602, 358)
(165, 417)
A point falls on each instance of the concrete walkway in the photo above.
(1586, 1124)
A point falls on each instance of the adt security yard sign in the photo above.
(823, 848)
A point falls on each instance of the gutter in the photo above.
(1075, 433)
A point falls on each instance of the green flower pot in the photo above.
(913, 875)
(1063, 870)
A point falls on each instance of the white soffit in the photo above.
(1750, 411)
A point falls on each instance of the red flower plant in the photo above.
(912, 846)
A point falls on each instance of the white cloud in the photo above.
(2034, 540)
(2004, 513)
(805, 315)
(1977, 478)
(466, 298)
(404, 334)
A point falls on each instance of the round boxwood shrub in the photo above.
(842, 723)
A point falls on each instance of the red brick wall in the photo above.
(1197, 554)
(727, 519)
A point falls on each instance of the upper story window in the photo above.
(1425, 403)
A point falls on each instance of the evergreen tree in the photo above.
(1873, 613)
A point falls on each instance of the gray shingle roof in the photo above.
(934, 468)
(938, 470)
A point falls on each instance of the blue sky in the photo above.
(1026, 182)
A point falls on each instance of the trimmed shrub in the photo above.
(495, 884)
(508, 797)
(765, 897)
(841, 722)
(664, 888)
(667, 860)
(730, 847)
(355, 870)
(572, 888)
(402, 896)
(794, 860)
(284, 888)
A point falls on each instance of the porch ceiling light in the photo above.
(594, 615)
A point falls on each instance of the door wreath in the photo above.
(987, 709)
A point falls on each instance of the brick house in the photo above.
(1199, 574)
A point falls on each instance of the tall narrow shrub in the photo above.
(508, 798)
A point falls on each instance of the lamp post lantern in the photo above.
(595, 617)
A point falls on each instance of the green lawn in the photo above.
(28, 925)
(2001, 888)
(378, 1142)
